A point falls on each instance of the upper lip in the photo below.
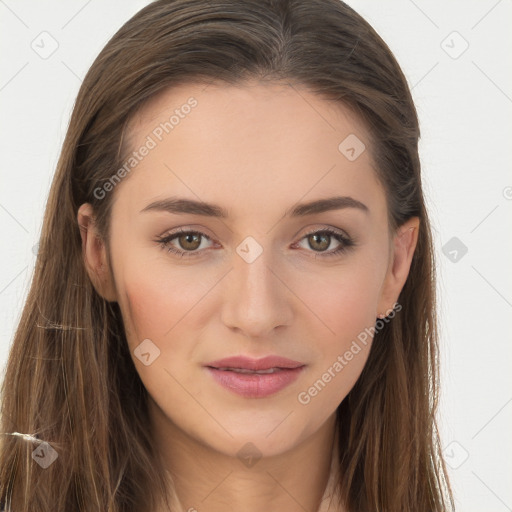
(248, 363)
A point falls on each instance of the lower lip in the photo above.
(255, 385)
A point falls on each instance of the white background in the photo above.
(465, 105)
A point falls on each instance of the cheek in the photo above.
(162, 307)
(346, 307)
(152, 310)
(342, 303)
(156, 301)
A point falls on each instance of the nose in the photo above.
(256, 299)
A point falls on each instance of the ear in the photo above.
(402, 251)
(95, 255)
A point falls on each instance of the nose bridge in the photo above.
(254, 299)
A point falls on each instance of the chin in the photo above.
(267, 439)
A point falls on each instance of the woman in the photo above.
(234, 299)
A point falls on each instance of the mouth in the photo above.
(246, 371)
(268, 363)
(255, 378)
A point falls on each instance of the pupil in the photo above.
(325, 237)
(189, 239)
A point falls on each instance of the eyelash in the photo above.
(346, 242)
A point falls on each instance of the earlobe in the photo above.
(404, 245)
(94, 254)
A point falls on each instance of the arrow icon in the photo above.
(351, 147)
(249, 455)
(454, 45)
(146, 352)
(249, 249)
(455, 249)
(45, 455)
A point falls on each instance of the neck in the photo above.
(205, 479)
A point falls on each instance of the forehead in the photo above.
(254, 144)
(254, 105)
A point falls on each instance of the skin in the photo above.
(256, 150)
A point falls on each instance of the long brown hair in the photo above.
(70, 380)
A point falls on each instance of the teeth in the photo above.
(243, 370)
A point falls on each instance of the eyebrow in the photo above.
(183, 206)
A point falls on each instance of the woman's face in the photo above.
(257, 281)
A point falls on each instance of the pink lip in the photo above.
(253, 385)
(249, 363)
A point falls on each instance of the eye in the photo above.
(321, 240)
(190, 242)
